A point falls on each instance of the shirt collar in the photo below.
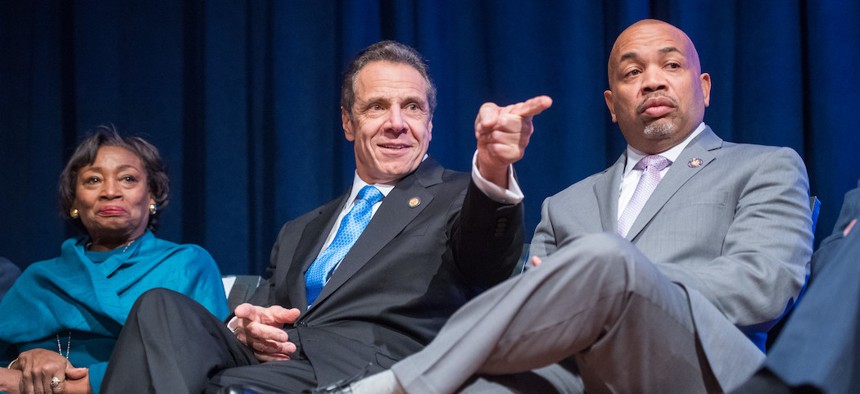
(358, 183)
(633, 155)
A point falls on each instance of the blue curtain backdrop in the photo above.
(242, 97)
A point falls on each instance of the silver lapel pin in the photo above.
(694, 162)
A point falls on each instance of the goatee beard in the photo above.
(659, 129)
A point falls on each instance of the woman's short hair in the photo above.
(85, 154)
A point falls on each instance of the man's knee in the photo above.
(601, 253)
(605, 246)
(160, 300)
(607, 262)
(157, 295)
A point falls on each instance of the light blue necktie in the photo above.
(350, 228)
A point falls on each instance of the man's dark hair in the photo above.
(387, 51)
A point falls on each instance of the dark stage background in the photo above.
(242, 97)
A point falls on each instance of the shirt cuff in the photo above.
(233, 324)
(511, 195)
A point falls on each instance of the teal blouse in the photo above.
(86, 296)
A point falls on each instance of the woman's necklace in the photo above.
(68, 345)
(124, 249)
(128, 244)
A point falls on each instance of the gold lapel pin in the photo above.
(694, 162)
(414, 202)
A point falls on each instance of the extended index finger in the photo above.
(533, 106)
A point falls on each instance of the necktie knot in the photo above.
(652, 162)
(370, 194)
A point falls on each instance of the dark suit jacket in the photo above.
(411, 268)
(818, 345)
(8, 273)
(850, 210)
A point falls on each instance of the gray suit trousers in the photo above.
(597, 300)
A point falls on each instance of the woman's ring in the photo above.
(55, 381)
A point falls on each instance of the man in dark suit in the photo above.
(8, 273)
(816, 352)
(436, 239)
(659, 274)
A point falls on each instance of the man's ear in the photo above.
(346, 123)
(706, 87)
(607, 96)
(430, 130)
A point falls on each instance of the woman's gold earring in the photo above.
(74, 213)
(153, 209)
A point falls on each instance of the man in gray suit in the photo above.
(673, 299)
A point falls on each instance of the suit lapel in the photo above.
(308, 248)
(696, 156)
(606, 190)
(389, 220)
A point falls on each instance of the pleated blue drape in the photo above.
(242, 97)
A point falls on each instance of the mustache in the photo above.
(644, 105)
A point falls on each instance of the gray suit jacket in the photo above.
(734, 231)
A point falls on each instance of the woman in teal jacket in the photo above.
(62, 316)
